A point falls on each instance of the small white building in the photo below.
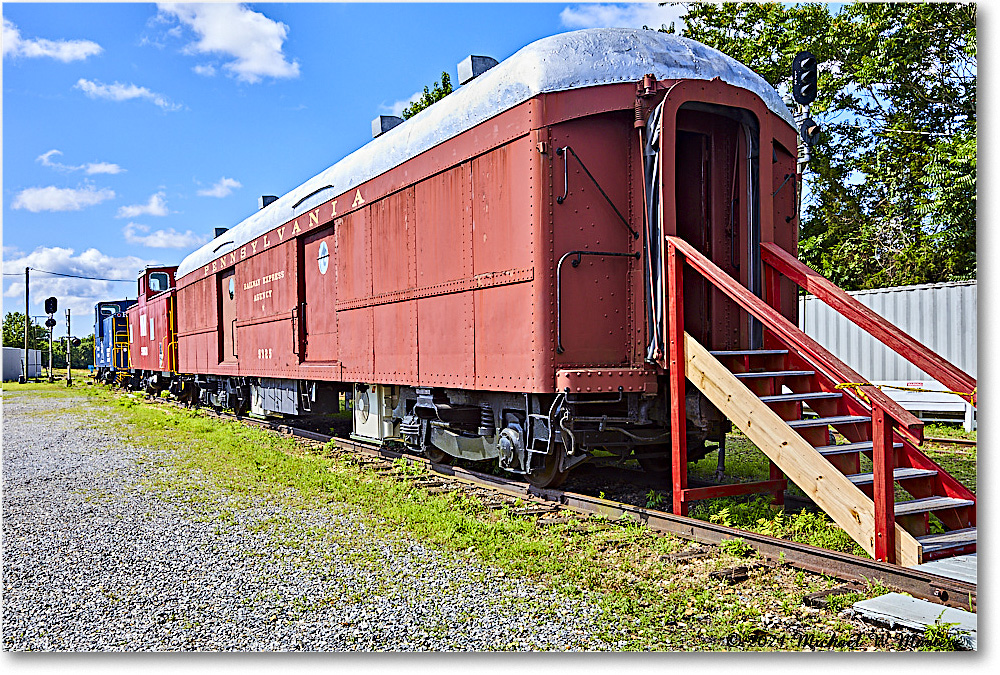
(13, 363)
(941, 316)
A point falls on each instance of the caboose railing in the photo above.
(779, 261)
(887, 415)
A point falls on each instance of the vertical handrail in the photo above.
(883, 490)
(675, 347)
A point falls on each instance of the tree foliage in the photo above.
(891, 196)
(430, 96)
(13, 333)
(38, 338)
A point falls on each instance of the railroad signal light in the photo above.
(51, 305)
(804, 78)
(809, 131)
(74, 341)
(50, 322)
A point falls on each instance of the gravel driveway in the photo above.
(96, 558)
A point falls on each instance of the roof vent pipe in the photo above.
(383, 123)
(474, 66)
(264, 200)
(219, 231)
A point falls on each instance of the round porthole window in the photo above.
(232, 288)
(323, 258)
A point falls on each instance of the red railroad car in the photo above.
(152, 330)
(487, 277)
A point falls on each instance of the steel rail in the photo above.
(843, 566)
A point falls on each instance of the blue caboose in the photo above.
(111, 339)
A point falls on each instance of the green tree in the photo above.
(13, 333)
(429, 97)
(891, 196)
(38, 338)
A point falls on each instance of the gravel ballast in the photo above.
(98, 558)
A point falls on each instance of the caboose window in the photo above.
(158, 281)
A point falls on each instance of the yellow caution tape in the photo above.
(856, 386)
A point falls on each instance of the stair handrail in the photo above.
(887, 415)
(921, 356)
(907, 424)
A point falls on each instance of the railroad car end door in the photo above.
(707, 156)
(227, 316)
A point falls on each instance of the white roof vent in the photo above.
(474, 66)
(383, 123)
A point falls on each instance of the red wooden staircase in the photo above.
(900, 506)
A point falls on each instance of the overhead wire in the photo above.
(63, 274)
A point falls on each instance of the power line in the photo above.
(61, 274)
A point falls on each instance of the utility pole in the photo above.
(26, 324)
(69, 351)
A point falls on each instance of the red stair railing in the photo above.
(887, 415)
(779, 260)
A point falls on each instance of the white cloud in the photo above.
(253, 41)
(94, 167)
(61, 50)
(208, 70)
(156, 206)
(397, 107)
(78, 295)
(123, 92)
(629, 15)
(51, 198)
(223, 188)
(102, 167)
(169, 238)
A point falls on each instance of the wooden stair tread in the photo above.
(927, 504)
(749, 352)
(951, 539)
(776, 373)
(824, 421)
(827, 450)
(806, 396)
(899, 473)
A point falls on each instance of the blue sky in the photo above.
(130, 131)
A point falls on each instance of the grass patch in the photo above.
(758, 516)
(648, 600)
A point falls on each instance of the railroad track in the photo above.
(554, 506)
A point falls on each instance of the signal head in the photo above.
(804, 78)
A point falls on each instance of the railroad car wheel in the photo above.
(436, 455)
(655, 459)
(548, 475)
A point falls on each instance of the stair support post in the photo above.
(883, 466)
(678, 407)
